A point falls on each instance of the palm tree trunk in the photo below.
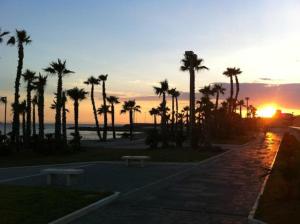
(23, 125)
(131, 124)
(173, 114)
(33, 120)
(192, 109)
(176, 117)
(16, 117)
(64, 122)
(217, 100)
(5, 114)
(41, 114)
(237, 89)
(247, 108)
(76, 111)
(113, 120)
(240, 110)
(95, 113)
(28, 113)
(155, 122)
(105, 112)
(163, 122)
(58, 110)
(231, 95)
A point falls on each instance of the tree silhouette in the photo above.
(247, 106)
(34, 102)
(154, 112)
(19, 39)
(240, 103)
(192, 63)
(218, 89)
(4, 100)
(103, 78)
(173, 93)
(232, 72)
(64, 117)
(94, 81)
(113, 100)
(22, 112)
(58, 69)
(131, 107)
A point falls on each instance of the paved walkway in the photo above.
(222, 190)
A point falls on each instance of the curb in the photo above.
(251, 219)
(83, 211)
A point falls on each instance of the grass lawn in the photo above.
(280, 203)
(20, 204)
(161, 155)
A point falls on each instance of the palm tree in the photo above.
(154, 112)
(185, 111)
(237, 85)
(22, 112)
(76, 95)
(34, 102)
(2, 34)
(173, 92)
(207, 91)
(28, 76)
(247, 106)
(103, 110)
(232, 72)
(39, 85)
(113, 100)
(59, 69)
(218, 89)
(252, 111)
(20, 39)
(192, 63)
(64, 117)
(103, 78)
(4, 100)
(176, 95)
(131, 107)
(94, 81)
(241, 103)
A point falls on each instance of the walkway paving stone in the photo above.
(222, 191)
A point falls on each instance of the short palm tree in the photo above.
(176, 95)
(154, 112)
(4, 100)
(113, 100)
(232, 72)
(172, 92)
(218, 89)
(34, 102)
(131, 107)
(58, 69)
(21, 37)
(103, 78)
(28, 76)
(192, 63)
(93, 82)
(76, 95)
(237, 85)
(40, 84)
(241, 103)
(247, 106)
(102, 110)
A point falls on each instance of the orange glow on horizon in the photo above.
(267, 110)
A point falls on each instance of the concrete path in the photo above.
(222, 190)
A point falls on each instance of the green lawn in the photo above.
(30, 205)
(161, 155)
(280, 203)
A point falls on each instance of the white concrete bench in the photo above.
(69, 173)
(135, 158)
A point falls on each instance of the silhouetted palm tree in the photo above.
(76, 95)
(2, 34)
(103, 110)
(59, 69)
(218, 89)
(154, 112)
(173, 92)
(237, 85)
(131, 107)
(185, 111)
(94, 81)
(231, 72)
(113, 100)
(40, 84)
(28, 76)
(176, 95)
(191, 62)
(4, 100)
(103, 78)
(20, 39)
(22, 112)
(247, 106)
(241, 103)
(252, 111)
(64, 117)
(34, 102)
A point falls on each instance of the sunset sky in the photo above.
(139, 43)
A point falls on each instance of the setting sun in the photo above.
(266, 111)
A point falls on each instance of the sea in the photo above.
(86, 135)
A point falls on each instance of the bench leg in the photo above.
(49, 179)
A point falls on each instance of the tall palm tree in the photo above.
(103, 78)
(192, 63)
(59, 69)
(64, 117)
(21, 37)
(247, 106)
(28, 76)
(241, 103)
(154, 112)
(173, 92)
(237, 85)
(4, 100)
(76, 95)
(218, 89)
(2, 34)
(113, 100)
(232, 72)
(22, 112)
(94, 81)
(131, 107)
(34, 102)
(40, 84)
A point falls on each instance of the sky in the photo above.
(139, 43)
